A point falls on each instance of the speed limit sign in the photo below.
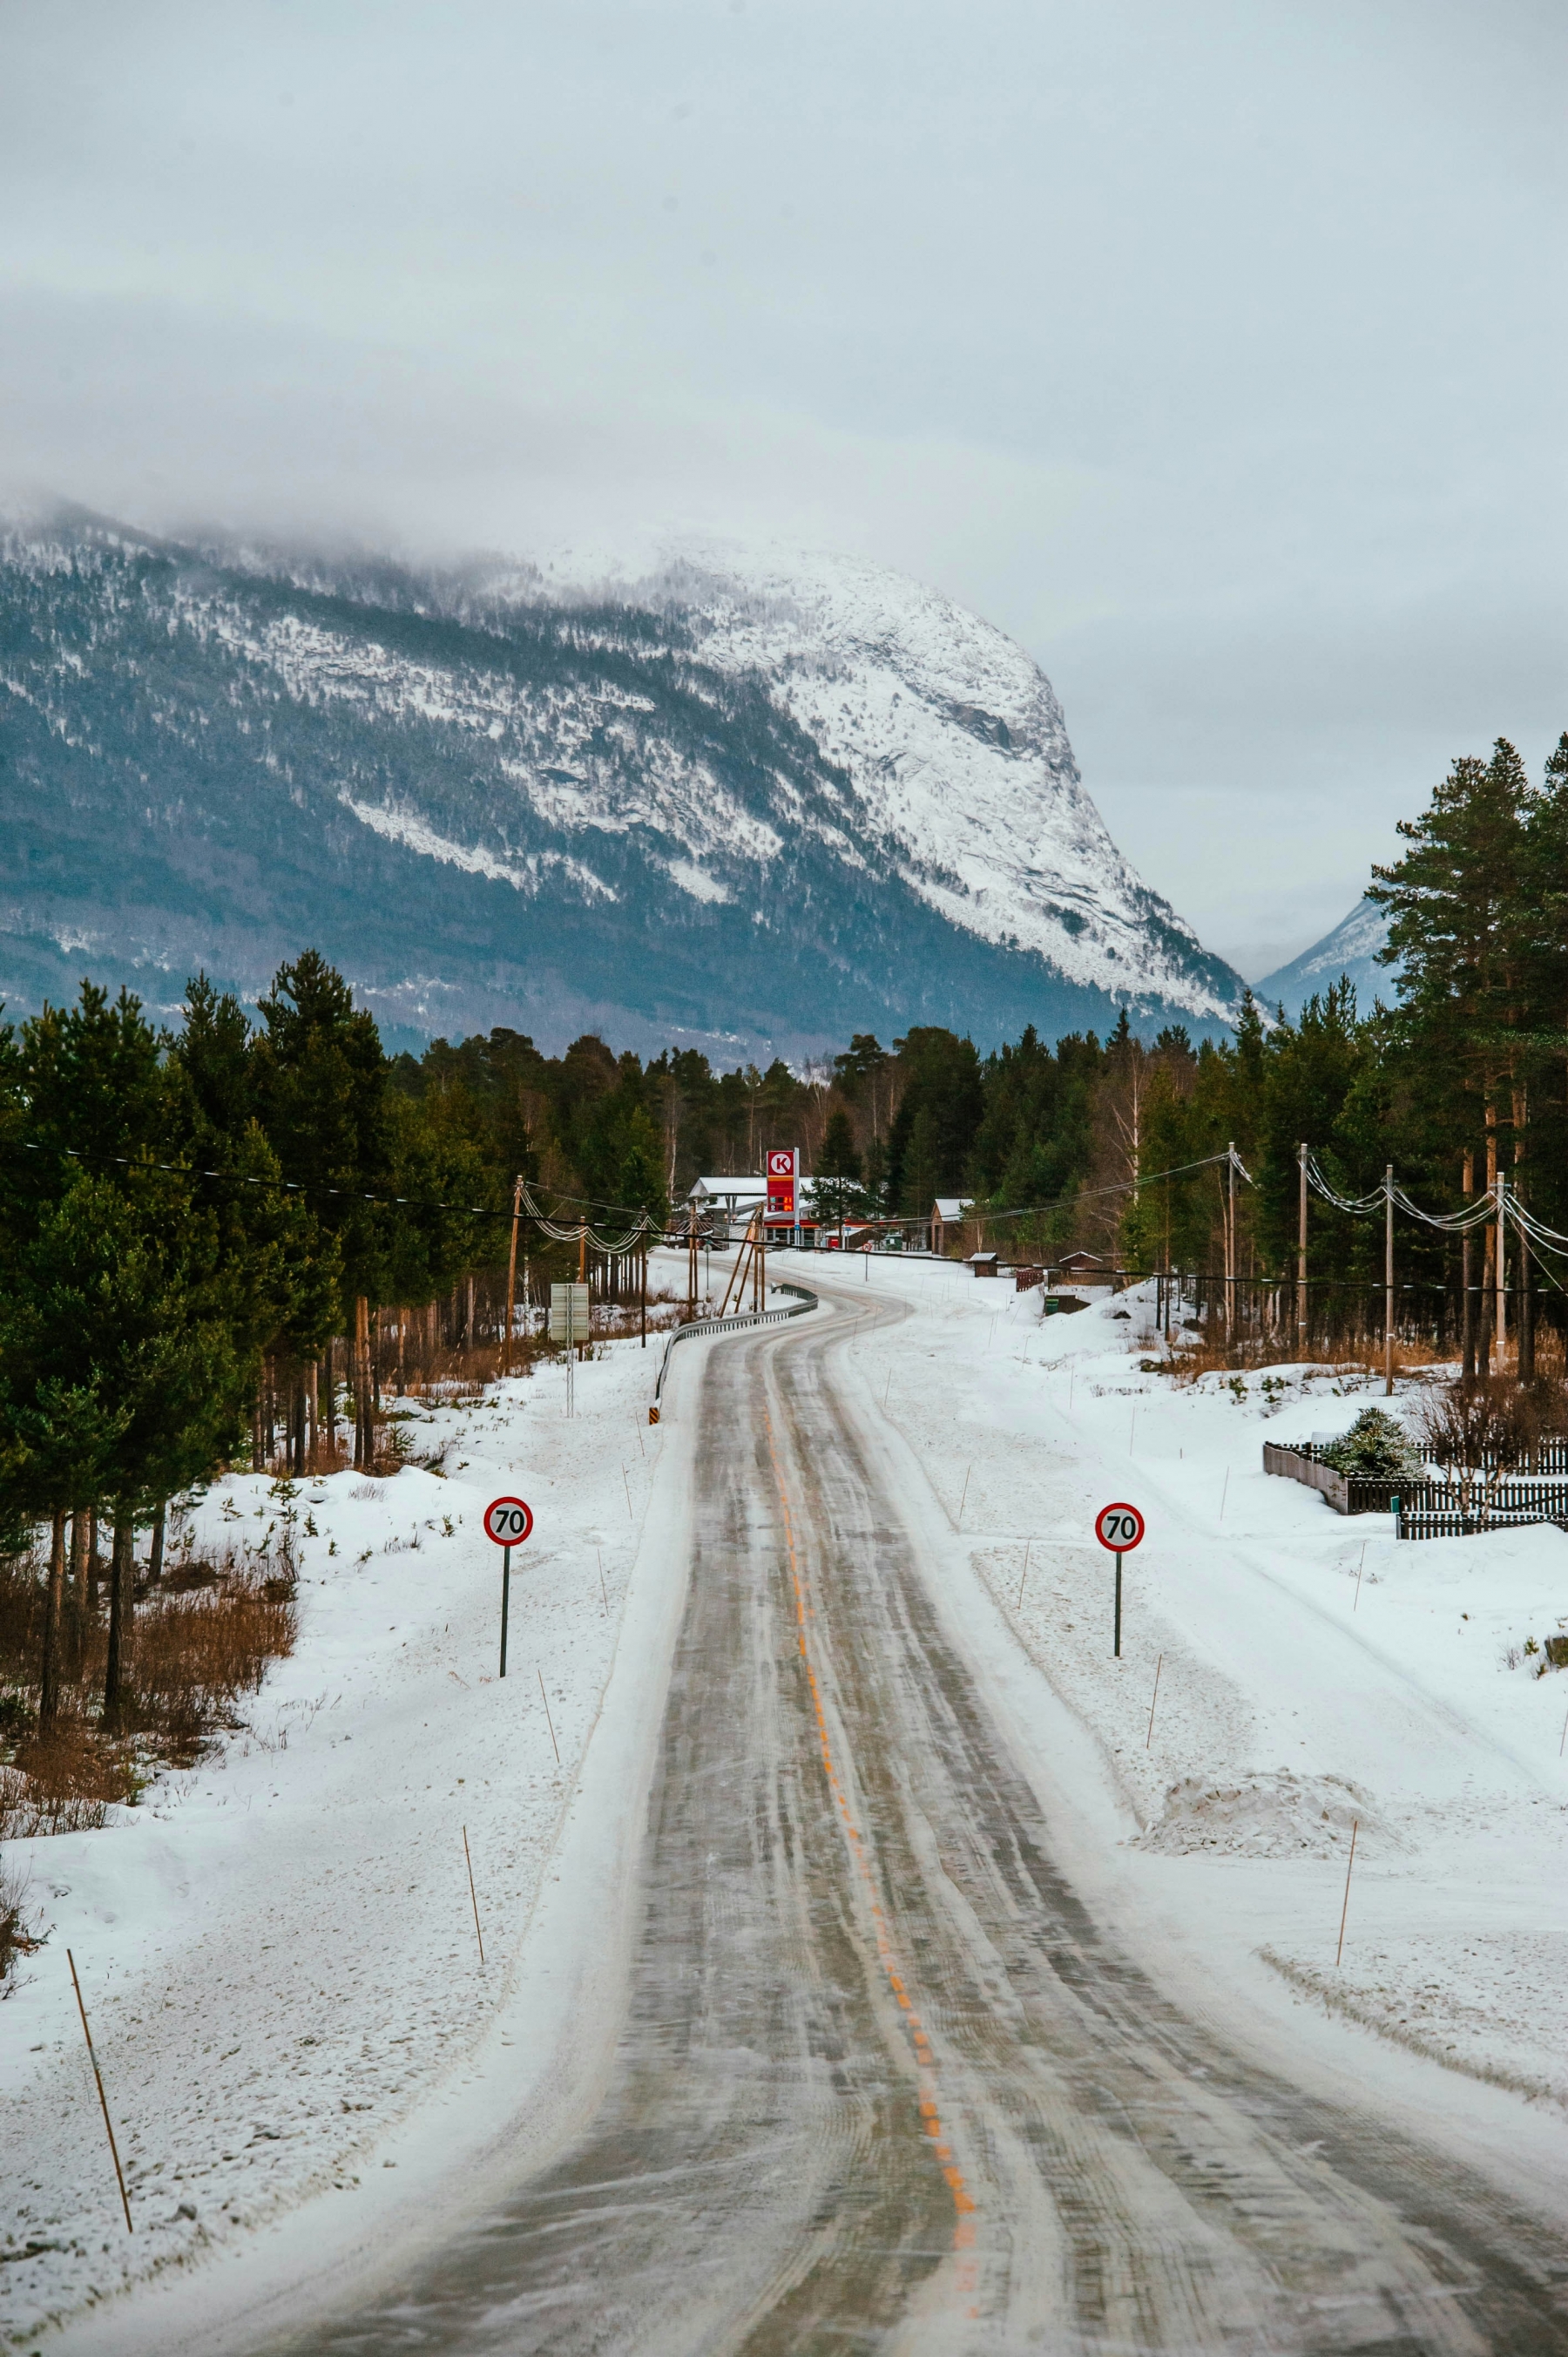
(507, 1521)
(1119, 1528)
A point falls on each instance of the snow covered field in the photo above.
(278, 1949)
(1312, 1672)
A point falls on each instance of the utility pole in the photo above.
(1502, 1266)
(1301, 1255)
(512, 1274)
(1389, 1281)
(644, 1295)
(690, 1260)
(1468, 1306)
(1231, 1252)
(759, 1263)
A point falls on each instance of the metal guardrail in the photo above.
(729, 1326)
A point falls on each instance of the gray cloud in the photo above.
(1215, 351)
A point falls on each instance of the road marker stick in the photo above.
(1360, 1568)
(964, 1500)
(1344, 1911)
(1564, 1739)
(102, 2098)
(887, 1387)
(1152, 1699)
(1224, 1492)
(629, 1516)
(603, 1590)
(1025, 1573)
(548, 1720)
(473, 1895)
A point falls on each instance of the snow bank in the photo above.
(278, 1950)
(1285, 1670)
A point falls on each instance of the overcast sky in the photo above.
(1216, 351)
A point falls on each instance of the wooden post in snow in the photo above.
(1389, 1281)
(512, 1276)
(1301, 1253)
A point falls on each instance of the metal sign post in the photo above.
(508, 1522)
(783, 1207)
(1119, 1528)
(571, 1321)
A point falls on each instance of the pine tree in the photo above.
(836, 1183)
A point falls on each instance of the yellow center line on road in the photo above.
(963, 2202)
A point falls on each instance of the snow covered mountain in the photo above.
(1351, 948)
(748, 803)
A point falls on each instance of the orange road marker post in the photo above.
(473, 1895)
(548, 1720)
(1344, 1911)
(102, 2098)
(1153, 1700)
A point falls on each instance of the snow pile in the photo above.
(1491, 2004)
(1281, 1815)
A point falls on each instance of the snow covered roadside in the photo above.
(278, 1949)
(1289, 1706)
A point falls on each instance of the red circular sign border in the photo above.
(1122, 1506)
(527, 1509)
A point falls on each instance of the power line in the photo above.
(349, 1194)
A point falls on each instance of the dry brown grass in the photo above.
(201, 1641)
(1197, 1355)
(16, 1938)
(64, 1783)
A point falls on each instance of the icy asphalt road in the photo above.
(883, 2084)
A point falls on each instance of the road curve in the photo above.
(882, 2084)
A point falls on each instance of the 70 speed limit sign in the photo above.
(507, 1521)
(1119, 1528)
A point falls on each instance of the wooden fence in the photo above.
(1466, 1501)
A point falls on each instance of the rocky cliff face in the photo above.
(747, 804)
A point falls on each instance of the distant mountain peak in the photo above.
(777, 796)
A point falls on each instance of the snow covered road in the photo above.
(884, 2080)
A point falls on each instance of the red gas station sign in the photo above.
(783, 1161)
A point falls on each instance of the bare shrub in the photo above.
(64, 1783)
(202, 1639)
(16, 1939)
(197, 1653)
(1489, 1420)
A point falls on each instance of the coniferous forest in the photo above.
(202, 1228)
